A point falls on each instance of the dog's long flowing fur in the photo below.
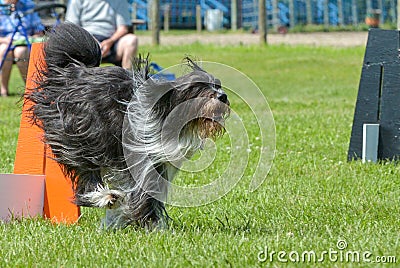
(117, 134)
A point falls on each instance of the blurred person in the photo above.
(31, 23)
(108, 22)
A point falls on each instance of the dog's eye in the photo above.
(217, 83)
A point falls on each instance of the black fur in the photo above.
(81, 108)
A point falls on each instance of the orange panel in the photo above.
(58, 204)
(31, 156)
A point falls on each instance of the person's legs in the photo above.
(21, 53)
(5, 70)
(126, 49)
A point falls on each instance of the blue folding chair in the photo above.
(160, 74)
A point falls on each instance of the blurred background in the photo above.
(281, 15)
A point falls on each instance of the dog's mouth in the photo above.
(207, 115)
(212, 123)
(218, 118)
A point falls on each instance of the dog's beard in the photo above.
(211, 124)
(210, 128)
(211, 121)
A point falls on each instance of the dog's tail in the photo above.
(69, 43)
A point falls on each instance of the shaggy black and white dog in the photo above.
(119, 134)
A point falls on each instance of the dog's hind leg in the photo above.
(147, 212)
(156, 219)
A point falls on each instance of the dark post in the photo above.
(234, 15)
(262, 21)
(326, 13)
(275, 11)
(398, 15)
(155, 18)
(198, 18)
(340, 12)
(291, 13)
(309, 12)
(134, 11)
(166, 17)
(354, 12)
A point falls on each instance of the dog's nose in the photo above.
(222, 97)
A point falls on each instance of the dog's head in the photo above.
(197, 104)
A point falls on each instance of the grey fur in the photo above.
(114, 131)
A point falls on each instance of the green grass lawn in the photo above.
(312, 197)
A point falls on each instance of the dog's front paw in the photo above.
(110, 200)
(103, 197)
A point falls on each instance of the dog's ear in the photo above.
(200, 75)
(193, 65)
